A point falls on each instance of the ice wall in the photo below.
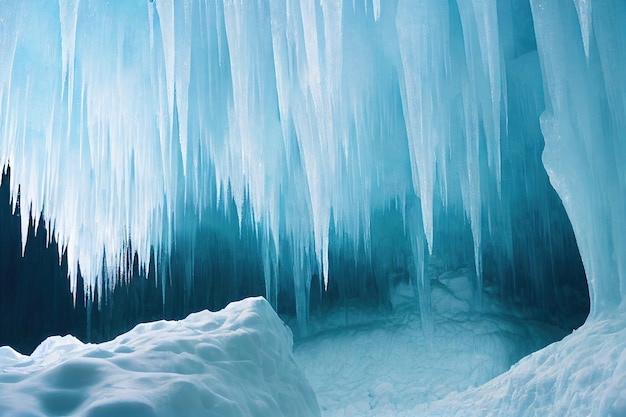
(582, 49)
(132, 126)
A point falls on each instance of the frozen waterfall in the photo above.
(324, 133)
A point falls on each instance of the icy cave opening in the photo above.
(421, 163)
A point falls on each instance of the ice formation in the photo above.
(583, 126)
(131, 125)
(584, 374)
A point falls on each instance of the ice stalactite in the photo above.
(134, 126)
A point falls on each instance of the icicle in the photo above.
(182, 71)
(69, 21)
(376, 9)
(301, 118)
(424, 51)
(583, 8)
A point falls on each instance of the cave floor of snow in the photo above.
(359, 361)
(582, 375)
(233, 362)
(368, 362)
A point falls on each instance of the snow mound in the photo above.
(234, 362)
(582, 375)
(452, 293)
(379, 362)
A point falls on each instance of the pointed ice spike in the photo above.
(583, 8)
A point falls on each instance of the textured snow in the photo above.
(234, 362)
(239, 362)
(582, 375)
(380, 363)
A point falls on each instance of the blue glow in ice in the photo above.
(126, 124)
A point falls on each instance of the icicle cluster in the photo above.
(121, 119)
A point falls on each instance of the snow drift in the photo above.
(235, 362)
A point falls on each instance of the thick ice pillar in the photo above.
(582, 53)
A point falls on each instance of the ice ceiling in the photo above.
(390, 134)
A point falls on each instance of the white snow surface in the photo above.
(380, 364)
(360, 362)
(235, 362)
(582, 375)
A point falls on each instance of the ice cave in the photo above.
(312, 208)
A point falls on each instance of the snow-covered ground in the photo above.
(358, 362)
(380, 364)
(583, 375)
(235, 362)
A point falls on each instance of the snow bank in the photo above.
(234, 362)
(583, 375)
(372, 363)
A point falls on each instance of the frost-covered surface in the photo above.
(583, 375)
(380, 364)
(238, 362)
(235, 362)
(384, 369)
